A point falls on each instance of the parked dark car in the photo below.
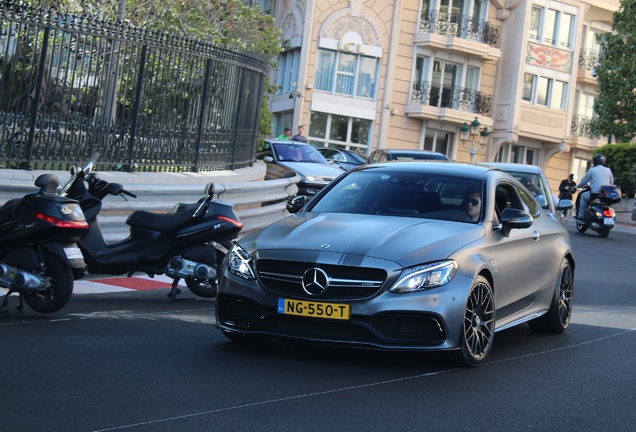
(345, 159)
(384, 155)
(387, 257)
(303, 159)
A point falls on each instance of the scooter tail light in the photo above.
(609, 213)
(232, 221)
(59, 222)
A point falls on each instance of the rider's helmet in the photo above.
(598, 159)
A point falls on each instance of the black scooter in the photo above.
(38, 255)
(190, 242)
(599, 216)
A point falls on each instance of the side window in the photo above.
(528, 203)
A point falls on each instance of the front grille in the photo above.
(382, 330)
(345, 282)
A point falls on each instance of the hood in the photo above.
(354, 237)
(312, 169)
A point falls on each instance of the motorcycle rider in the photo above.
(596, 177)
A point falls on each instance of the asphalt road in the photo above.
(136, 361)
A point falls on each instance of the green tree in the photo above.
(621, 159)
(615, 104)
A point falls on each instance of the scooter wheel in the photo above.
(603, 232)
(55, 297)
(581, 227)
(205, 288)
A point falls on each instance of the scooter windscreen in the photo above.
(77, 172)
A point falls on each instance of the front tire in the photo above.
(557, 318)
(55, 297)
(478, 328)
(581, 227)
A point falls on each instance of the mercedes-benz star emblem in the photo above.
(315, 281)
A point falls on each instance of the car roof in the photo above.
(515, 167)
(407, 153)
(432, 166)
(287, 142)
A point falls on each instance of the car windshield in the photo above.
(411, 194)
(297, 153)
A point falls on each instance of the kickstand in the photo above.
(175, 291)
(5, 303)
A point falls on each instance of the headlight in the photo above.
(239, 263)
(425, 277)
(313, 179)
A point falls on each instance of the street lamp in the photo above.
(474, 132)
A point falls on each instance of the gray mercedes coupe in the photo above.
(406, 256)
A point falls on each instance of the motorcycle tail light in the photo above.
(232, 221)
(608, 213)
(59, 222)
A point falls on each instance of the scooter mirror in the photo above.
(209, 189)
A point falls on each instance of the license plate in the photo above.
(73, 253)
(314, 309)
(608, 221)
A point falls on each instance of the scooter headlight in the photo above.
(240, 263)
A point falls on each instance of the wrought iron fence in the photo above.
(589, 59)
(448, 96)
(73, 85)
(583, 126)
(461, 26)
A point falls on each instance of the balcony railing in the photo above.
(589, 59)
(461, 26)
(447, 96)
(582, 126)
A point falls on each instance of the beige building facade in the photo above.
(410, 74)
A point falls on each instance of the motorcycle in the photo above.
(39, 257)
(189, 242)
(599, 216)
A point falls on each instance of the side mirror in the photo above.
(268, 159)
(512, 218)
(294, 204)
(565, 204)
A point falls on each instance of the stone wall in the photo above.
(626, 211)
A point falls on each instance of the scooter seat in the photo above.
(162, 222)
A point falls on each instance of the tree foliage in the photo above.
(615, 104)
(621, 159)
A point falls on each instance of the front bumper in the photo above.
(425, 320)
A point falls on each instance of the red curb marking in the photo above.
(134, 283)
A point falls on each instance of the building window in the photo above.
(544, 91)
(518, 154)
(438, 141)
(288, 62)
(551, 27)
(346, 73)
(334, 129)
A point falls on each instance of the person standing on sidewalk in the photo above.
(286, 135)
(566, 190)
(299, 136)
(596, 177)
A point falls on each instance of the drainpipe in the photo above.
(387, 97)
(301, 89)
